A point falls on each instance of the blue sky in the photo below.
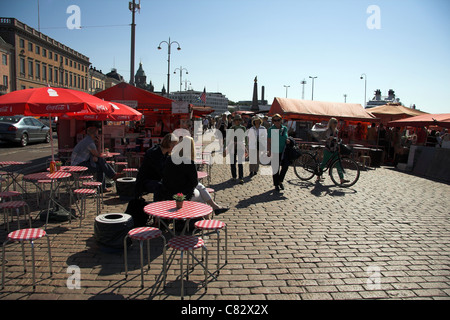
(226, 43)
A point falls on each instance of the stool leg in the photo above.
(164, 260)
(148, 253)
(181, 274)
(49, 255)
(218, 255)
(125, 249)
(3, 263)
(206, 267)
(142, 262)
(226, 244)
(33, 267)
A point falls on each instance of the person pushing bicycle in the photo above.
(331, 149)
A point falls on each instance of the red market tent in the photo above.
(393, 111)
(307, 110)
(199, 111)
(425, 120)
(136, 98)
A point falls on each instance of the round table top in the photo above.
(201, 174)
(168, 210)
(9, 163)
(71, 169)
(36, 176)
(110, 154)
(59, 175)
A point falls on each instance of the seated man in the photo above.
(86, 154)
(150, 173)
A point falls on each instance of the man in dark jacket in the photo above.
(150, 173)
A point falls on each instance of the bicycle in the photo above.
(307, 165)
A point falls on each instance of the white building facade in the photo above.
(215, 100)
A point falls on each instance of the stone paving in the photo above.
(387, 237)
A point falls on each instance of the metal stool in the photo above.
(30, 234)
(9, 206)
(142, 234)
(189, 243)
(98, 185)
(9, 195)
(214, 225)
(82, 195)
(364, 159)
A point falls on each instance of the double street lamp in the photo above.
(169, 44)
(181, 74)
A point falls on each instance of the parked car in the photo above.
(46, 121)
(23, 129)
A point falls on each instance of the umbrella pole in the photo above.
(51, 137)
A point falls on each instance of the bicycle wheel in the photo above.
(349, 169)
(305, 166)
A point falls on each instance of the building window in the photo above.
(30, 68)
(22, 67)
(50, 74)
(5, 81)
(67, 61)
(38, 70)
(22, 43)
(4, 59)
(66, 79)
(50, 55)
(70, 63)
(44, 72)
(44, 53)
(56, 75)
(30, 46)
(56, 57)
(38, 50)
(70, 80)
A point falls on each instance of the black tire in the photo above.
(24, 140)
(111, 228)
(305, 167)
(350, 170)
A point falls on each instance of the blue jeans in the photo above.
(102, 169)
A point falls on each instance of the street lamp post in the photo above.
(169, 44)
(345, 98)
(365, 88)
(312, 93)
(303, 88)
(181, 74)
(286, 89)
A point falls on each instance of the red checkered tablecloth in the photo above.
(26, 234)
(209, 224)
(12, 204)
(12, 163)
(144, 233)
(36, 176)
(59, 175)
(168, 210)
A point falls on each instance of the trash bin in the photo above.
(111, 228)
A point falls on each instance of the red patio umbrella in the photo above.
(51, 101)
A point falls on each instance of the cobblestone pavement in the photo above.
(387, 237)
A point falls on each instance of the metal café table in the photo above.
(13, 173)
(168, 210)
(190, 210)
(56, 179)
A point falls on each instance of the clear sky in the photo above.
(226, 43)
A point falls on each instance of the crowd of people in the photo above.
(164, 175)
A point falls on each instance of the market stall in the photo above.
(394, 111)
(353, 118)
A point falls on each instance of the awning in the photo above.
(394, 111)
(425, 120)
(308, 110)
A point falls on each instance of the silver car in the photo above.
(23, 129)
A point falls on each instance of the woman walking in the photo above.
(257, 143)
